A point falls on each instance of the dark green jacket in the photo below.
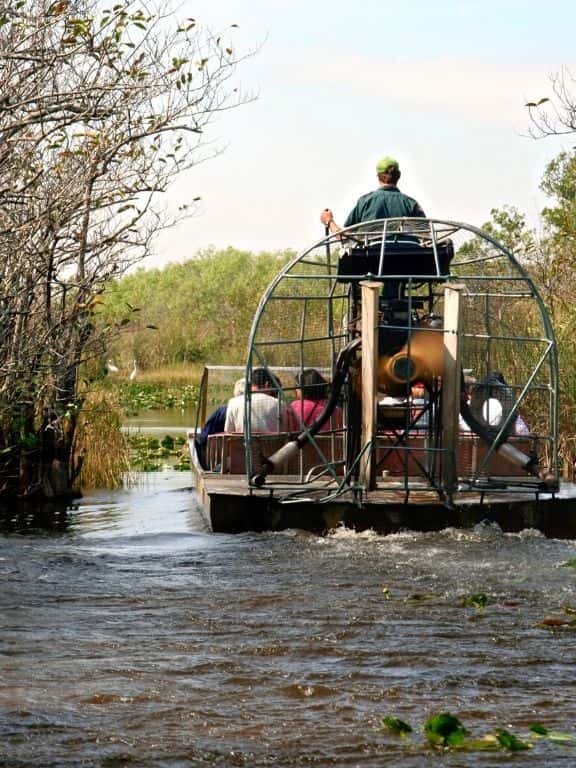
(383, 203)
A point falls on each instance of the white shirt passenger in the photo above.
(267, 415)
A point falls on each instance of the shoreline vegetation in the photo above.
(103, 108)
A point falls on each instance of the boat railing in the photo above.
(226, 453)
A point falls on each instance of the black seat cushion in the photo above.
(401, 257)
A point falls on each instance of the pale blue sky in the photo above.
(438, 85)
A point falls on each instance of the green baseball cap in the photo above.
(386, 162)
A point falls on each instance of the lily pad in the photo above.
(444, 730)
(479, 600)
(395, 725)
(510, 741)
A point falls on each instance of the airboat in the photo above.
(437, 347)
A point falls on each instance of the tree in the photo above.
(556, 116)
(100, 109)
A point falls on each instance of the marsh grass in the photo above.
(180, 374)
(101, 444)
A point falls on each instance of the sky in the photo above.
(438, 84)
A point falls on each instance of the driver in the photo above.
(386, 202)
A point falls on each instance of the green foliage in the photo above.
(476, 601)
(201, 309)
(144, 396)
(559, 183)
(538, 729)
(510, 741)
(508, 226)
(444, 730)
(148, 454)
(554, 736)
(395, 725)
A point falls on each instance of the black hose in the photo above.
(288, 450)
(493, 385)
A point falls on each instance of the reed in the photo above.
(100, 446)
(176, 374)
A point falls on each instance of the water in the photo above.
(161, 421)
(134, 637)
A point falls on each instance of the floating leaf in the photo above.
(510, 741)
(561, 738)
(483, 744)
(444, 730)
(476, 601)
(395, 725)
(554, 736)
(538, 729)
(420, 597)
(569, 563)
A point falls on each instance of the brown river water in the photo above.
(132, 636)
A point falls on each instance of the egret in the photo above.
(111, 367)
(133, 372)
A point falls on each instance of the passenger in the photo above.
(268, 414)
(311, 398)
(492, 408)
(386, 202)
(215, 423)
(418, 401)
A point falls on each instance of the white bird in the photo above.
(133, 372)
(111, 367)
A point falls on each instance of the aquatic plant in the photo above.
(136, 396)
(479, 600)
(395, 725)
(149, 454)
(100, 448)
(446, 731)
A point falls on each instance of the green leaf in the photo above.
(483, 744)
(554, 736)
(420, 597)
(510, 741)
(444, 730)
(395, 725)
(538, 729)
(476, 601)
(569, 563)
(561, 738)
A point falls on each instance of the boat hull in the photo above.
(231, 506)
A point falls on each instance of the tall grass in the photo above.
(100, 444)
(176, 374)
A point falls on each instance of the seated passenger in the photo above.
(418, 398)
(268, 414)
(215, 423)
(311, 398)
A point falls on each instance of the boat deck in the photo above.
(232, 507)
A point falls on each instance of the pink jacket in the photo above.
(307, 411)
